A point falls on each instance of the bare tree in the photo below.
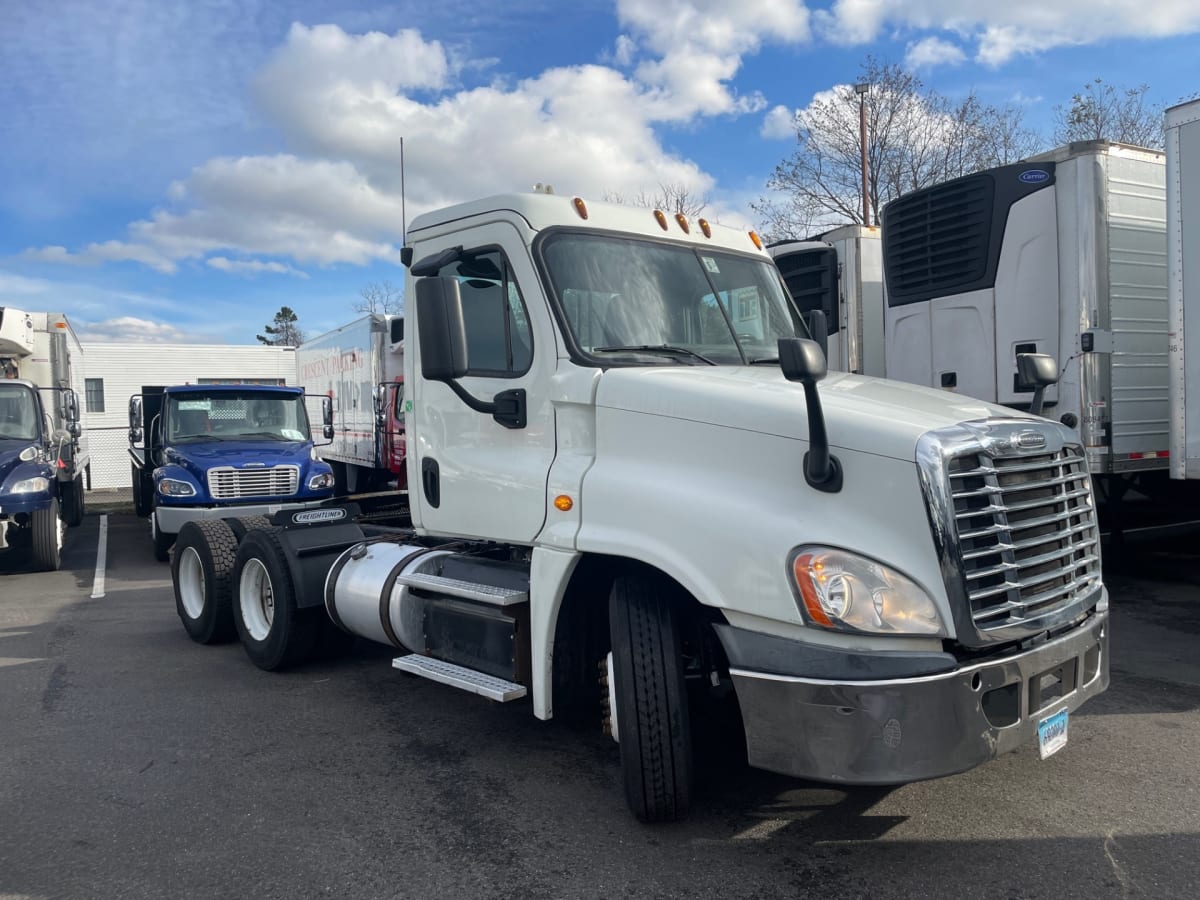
(673, 197)
(1102, 111)
(380, 298)
(915, 137)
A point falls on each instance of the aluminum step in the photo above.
(468, 590)
(460, 677)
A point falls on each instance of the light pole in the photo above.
(861, 89)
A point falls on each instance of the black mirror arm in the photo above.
(821, 468)
(508, 408)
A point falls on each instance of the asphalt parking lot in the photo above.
(134, 763)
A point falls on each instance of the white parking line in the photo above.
(101, 555)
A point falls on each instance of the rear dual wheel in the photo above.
(274, 631)
(202, 572)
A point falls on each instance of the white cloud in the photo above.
(108, 251)
(778, 123)
(252, 267)
(1004, 30)
(932, 51)
(131, 328)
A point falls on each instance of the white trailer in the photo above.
(840, 273)
(1064, 254)
(1183, 279)
(360, 367)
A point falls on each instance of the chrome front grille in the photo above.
(228, 483)
(1028, 541)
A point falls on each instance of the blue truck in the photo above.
(222, 452)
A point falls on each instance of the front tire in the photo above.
(162, 541)
(274, 631)
(47, 537)
(651, 700)
(73, 502)
(202, 573)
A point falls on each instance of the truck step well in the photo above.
(468, 590)
(460, 677)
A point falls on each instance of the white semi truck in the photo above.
(630, 487)
(1064, 254)
(43, 450)
(840, 275)
(360, 368)
(1183, 253)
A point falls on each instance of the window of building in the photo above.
(94, 388)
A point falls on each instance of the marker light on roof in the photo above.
(661, 218)
(705, 228)
(580, 207)
(683, 222)
(757, 240)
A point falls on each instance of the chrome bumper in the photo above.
(908, 729)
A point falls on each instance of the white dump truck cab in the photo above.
(632, 486)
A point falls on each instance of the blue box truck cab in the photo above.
(222, 451)
(41, 469)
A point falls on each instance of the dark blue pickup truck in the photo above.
(222, 451)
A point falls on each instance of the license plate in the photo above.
(1052, 733)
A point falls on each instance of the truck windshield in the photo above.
(18, 413)
(236, 415)
(654, 303)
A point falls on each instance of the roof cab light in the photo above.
(843, 591)
(580, 207)
(756, 240)
(661, 218)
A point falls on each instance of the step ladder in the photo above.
(466, 590)
(460, 677)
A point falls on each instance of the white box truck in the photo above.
(360, 367)
(1064, 254)
(43, 450)
(840, 273)
(1182, 124)
(632, 487)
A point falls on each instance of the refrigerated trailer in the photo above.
(1064, 254)
(840, 273)
(1183, 254)
(360, 368)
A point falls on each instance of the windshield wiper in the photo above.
(273, 435)
(657, 348)
(764, 361)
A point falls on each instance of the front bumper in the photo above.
(908, 729)
(172, 518)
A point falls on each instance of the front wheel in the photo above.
(162, 540)
(651, 699)
(47, 537)
(202, 572)
(274, 631)
(72, 495)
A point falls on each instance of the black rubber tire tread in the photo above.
(72, 493)
(143, 495)
(162, 542)
(47, 555)
(293, 633)
(216, 547)
(652, 701)
(243, 524)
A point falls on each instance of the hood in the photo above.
(9, 452)
(204, 455)
(872, 415)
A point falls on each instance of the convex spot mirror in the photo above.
(1036, 369)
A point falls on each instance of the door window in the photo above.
(499, 341)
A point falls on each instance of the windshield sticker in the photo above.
(711, 265)
(205, 405)
(292, 435)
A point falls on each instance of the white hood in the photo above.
(872, 415)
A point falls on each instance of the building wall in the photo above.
(125, 368)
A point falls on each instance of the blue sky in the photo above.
(179, 169)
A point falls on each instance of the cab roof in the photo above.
(225, 388)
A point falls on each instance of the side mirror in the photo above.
(75, 429)
(381, 394)
(818, 327)
(135, 436)
(135, 413)
(441, 331)
(327, 418)
(804, 361)
(327, 432)
(1036, 370)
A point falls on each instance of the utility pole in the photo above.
(861, 89)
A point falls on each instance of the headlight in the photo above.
(846, 592)
(172, 487)
(320, 482)
(33, 485)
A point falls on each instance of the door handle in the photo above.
(430, 483)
